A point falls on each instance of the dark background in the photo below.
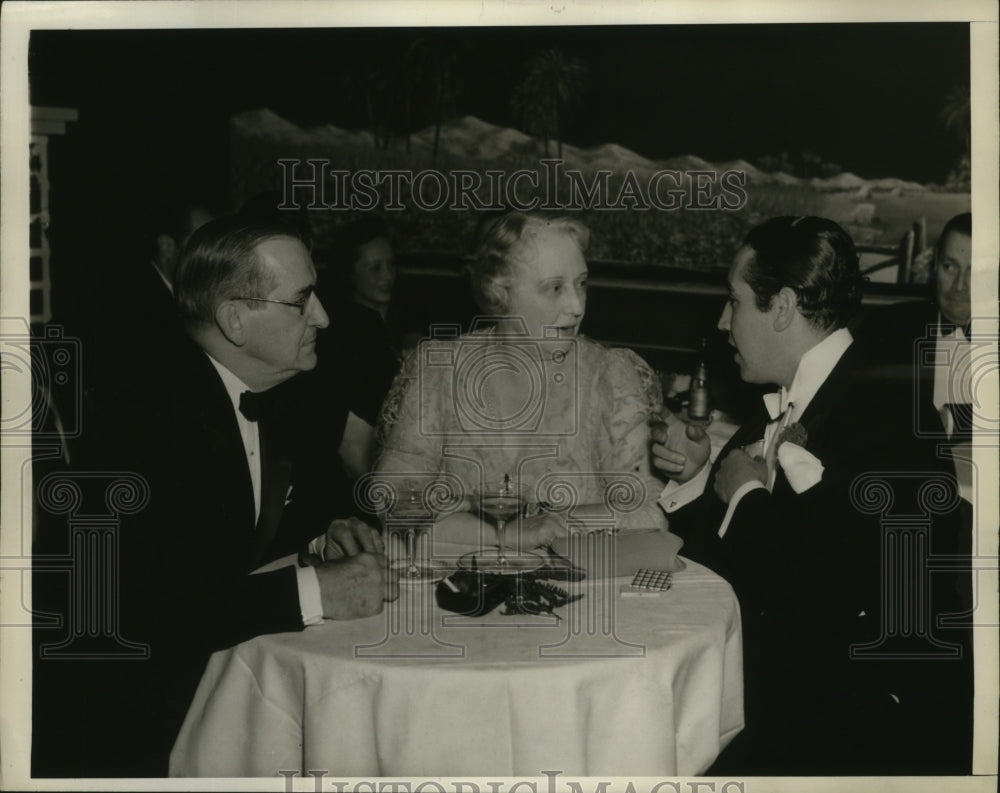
(154, 105)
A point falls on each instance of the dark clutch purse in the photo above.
(471, 593)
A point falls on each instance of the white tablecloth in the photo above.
(656, 690)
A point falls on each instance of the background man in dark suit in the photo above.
(127, 313)
(785, 515)
(215, 431)
(900, 335)
(927, 345)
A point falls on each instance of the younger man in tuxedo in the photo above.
(216, 434)
(792, 515)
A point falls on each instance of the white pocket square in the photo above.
(802, 468)
(288, 496)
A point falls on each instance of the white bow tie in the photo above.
(777, 403)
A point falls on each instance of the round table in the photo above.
(620, 684)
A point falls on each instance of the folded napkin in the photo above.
(803, 469)
(631, 551)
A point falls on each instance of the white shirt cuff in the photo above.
(310, 600)
(676, 495)
(741, 491)
(317, 545)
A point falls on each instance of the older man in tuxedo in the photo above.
(235, 481)
(782, 514)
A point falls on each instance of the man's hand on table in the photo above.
(353, 572)
(679, 449)
(356, 586)
(735, 470)
(351, 536)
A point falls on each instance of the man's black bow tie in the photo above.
(255, 405)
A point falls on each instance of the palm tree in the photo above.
(957, 115)
(554, 82)
(447, 87)
(530, 107)
(369, 83)
(410, 77)
(432, 68)
(564, 77)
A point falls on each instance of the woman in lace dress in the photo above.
(524, 397)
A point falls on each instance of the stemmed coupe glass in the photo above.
(411, 515)
(500, 503)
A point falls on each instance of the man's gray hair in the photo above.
(220, 262)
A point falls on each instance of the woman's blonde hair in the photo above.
(509, 241)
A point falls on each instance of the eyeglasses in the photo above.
(300, 304)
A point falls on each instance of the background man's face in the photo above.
(954, 273)
(280, 338)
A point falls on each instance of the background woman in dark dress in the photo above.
(359, 353)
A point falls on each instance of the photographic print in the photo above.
(488, 398)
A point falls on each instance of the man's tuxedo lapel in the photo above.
(204, 403)
(919, 364)
(275, 477)
(748, 433)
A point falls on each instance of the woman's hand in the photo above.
(535, 532)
